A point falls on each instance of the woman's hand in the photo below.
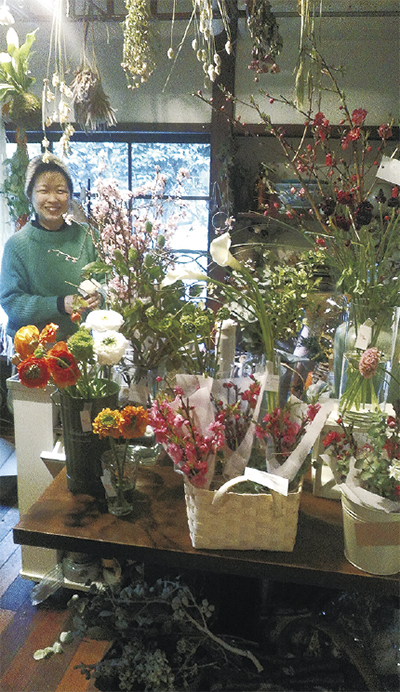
(92, 302)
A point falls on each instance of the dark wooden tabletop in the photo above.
(157, 532)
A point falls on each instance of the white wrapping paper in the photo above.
(353, 491)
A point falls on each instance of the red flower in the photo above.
(332, 437)
(48, 335)
(62, 366)
(34, 373)
(329, 160)
(358, 116)
(385, 131)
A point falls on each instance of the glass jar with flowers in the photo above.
(366, 465)
(120, 462)
(81, 370)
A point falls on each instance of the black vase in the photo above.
(83, 448)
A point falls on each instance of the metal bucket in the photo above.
(83, 448)
(371, 538)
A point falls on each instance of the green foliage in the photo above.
(19, 106)
(14, 183)
(285, 286)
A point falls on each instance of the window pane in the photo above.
(170, 157)
(87, 160)
(34, 149)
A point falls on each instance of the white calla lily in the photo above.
(221, 254)
(182, 274)
(4, 57)
(12, 38)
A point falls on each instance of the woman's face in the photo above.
(50, 199)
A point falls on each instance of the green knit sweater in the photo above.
(35, 271)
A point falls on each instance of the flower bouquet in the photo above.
(80, 369)
(132, 232)
(366, 466)
(120, 463)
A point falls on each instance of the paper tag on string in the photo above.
(86, 421)
(389, 170)
(363, 337)
(272, 383)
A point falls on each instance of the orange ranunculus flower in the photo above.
(62, 366)
(48, 335)
(26, 341)
(34, 372)
(107, 423)
(134, 421)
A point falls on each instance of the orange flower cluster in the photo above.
(36, 365)
(130, 422)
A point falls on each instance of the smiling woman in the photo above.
(45, 258)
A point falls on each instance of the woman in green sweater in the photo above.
(42, 262)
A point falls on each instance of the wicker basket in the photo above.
(242, 521)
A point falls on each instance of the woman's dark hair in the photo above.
(37, 166)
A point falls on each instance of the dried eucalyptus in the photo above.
(138, 55)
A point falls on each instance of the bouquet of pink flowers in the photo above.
(186, 427)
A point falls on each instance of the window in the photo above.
(131, 163)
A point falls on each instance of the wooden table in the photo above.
(157, 532)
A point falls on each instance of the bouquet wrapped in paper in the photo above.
(366, 463)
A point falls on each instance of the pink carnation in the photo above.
(369, 362)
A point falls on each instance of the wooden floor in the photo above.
(24, 628)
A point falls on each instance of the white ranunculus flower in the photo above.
(220, 253)
(109, 347)
(182, 274)
(104, 320)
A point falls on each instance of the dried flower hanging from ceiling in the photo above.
(265, 36)
(56, 94)
(138, 55)
(203, 17)
(92, 108)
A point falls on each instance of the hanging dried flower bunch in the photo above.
(138, 56)
(92, 109)
(56, 94)
(203, 16)
(309, 68)
(264, 32)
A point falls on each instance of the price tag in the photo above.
(86, 421)
(389, 170)
(272, 383)
(363, 337)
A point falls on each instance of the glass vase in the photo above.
(358, 389)
(120, 467)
